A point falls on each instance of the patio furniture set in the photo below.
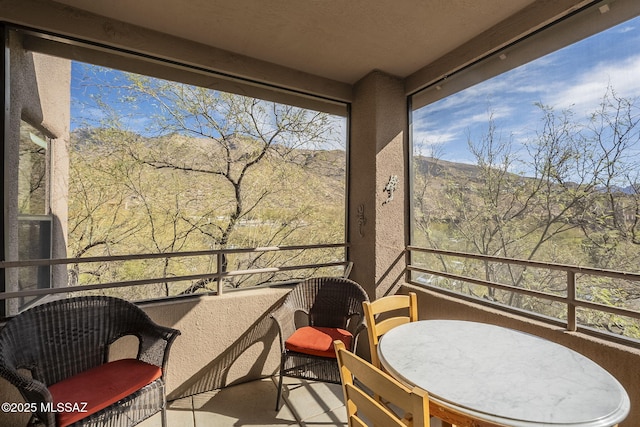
(58, 354)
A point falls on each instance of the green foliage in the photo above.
(210, 170)
(578, 204)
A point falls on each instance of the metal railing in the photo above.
(217, 276)
(569, 299)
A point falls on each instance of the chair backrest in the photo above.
(387, 305)
(329, 301)
(362, 406)
(64, 337)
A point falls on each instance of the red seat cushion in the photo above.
(317, 341)
(100, 387)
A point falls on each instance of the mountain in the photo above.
(431, 167)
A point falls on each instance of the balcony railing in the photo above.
(567, 296)
(218, 275)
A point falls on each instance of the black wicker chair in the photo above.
(316, 312)
(64, 345)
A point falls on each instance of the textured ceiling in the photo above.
(338, 39)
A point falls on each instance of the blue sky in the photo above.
(575, 77)
(93, 83)
(101, 97)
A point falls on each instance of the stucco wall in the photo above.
(377, 220)
(40, 95)
(225, 339)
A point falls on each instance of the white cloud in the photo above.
(433, 137)
(586, 93)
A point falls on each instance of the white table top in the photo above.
(502, 375)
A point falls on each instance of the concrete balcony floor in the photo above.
(306, 404)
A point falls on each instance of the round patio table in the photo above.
(478, 374)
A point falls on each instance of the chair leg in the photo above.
(283, 358)
(279, 391)
(164, 416)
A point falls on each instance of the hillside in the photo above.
(196, 192)
(429, 166)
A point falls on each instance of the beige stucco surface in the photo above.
(39, 95)
(224, 339)
(377, 155)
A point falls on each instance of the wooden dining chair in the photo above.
(363, 409)
(381, 306)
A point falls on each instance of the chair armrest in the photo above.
(356, 335)
(33, 391)
(284, 318)
(155, 342)
(356, 323)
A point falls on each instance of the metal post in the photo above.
(571, 302)
(219, 262)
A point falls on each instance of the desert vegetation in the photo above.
(571, 195)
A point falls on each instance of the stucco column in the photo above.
(378, 183)
(40, 96)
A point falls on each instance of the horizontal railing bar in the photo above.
(278, 269)
(97, 286)
(608, 308)
(531, 263)
(529, 292)
(131, 257)
(141, 282)
(568, 300)
(501, 306)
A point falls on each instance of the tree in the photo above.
(213, 170)
(613, 221)
(494, 211)
(575, 188)
(99, 218)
